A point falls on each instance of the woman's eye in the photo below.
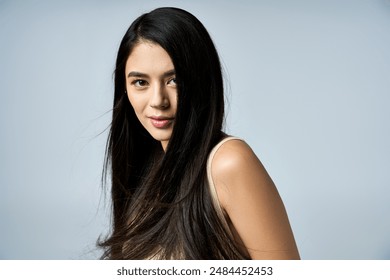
(140, 83)
(172, 82)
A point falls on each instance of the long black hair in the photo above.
(162, 207)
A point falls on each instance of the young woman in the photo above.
(181, 188)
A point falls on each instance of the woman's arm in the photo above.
(248, 195)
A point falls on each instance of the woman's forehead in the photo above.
(149, 58)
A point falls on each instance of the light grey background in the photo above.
(308, 89)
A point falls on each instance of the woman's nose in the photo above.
(159, 98)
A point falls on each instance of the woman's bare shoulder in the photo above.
(235, 159)
(248, 195)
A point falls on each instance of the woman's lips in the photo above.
(161, 122)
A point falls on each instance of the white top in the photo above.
(221, 214)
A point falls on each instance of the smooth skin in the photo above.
(151, 89)
(248, 195)
(244, 188)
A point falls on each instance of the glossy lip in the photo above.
(161, 121)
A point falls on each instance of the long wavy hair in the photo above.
(162, 207)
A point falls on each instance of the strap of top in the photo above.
(213, 191)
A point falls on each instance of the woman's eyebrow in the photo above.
(137, 74)
(169, 73)
(143, 75)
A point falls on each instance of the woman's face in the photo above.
(151, 89)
